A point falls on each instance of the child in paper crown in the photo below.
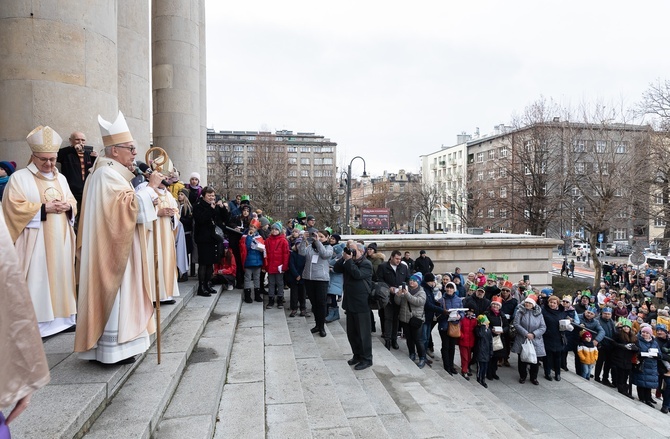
(252, 252)
(484, 348)
(467, 341)
(588, 353)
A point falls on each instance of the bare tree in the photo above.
(427, 195)
(605, 158)
(226, 171)
(268, 165)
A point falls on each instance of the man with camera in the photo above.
(393, 273)
(357, 272)
(75, 161)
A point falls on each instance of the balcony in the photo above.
(443, 163)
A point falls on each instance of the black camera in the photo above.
(403, 286)
(346, 250)
(88, 148)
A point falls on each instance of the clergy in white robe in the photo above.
(115, 306)
(39, 210)
(166, 228)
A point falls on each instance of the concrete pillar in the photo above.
(176, 83)
(203, 93)
(134, 66)
(58, 67)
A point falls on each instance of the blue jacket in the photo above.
(448, 302)
(296, 264)
(336, 279)
(647, 374)
(431, 308)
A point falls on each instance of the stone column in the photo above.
(58, 67)
(176, 83)
(203, 95)
(134, 66)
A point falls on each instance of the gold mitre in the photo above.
(116, 132)
(44, 139)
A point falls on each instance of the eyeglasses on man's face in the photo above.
(132, 149)
(51, 160)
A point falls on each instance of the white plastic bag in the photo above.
(528, 354)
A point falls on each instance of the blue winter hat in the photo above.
(592, 309)
(277, 226)
(607, 309)
(418, 277)
(661, 327)
(8, 167)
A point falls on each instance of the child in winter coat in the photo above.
(484, 348)
(467, 341)
(225, 271)
(252, 251)
(276, 248)
(588, 353)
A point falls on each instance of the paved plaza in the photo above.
(233, 370)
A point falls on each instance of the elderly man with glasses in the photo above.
(115, 300)
(39, 209)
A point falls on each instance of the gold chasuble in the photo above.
(23, 365)
(166, 228)
(115, 306)
(46, 248)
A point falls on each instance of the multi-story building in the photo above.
(445, 169)
(283, 172)
(391, 190)
(560, 179)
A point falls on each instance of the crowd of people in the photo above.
(134, 230)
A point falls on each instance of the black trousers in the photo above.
(553, 362)
(603, 363)
(622, 377)
(391, 313)
(298, 297)
(358, 334)
(317, 290)
(523, 369)
(448, 350)
(414, 337)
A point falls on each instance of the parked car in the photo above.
(618, 249)
(600, 252)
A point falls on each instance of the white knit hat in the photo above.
(195, 175)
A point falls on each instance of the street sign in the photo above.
(600, 238)
(637, 258)
(567, 233)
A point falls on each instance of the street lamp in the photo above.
(348, 218)
(414, 222)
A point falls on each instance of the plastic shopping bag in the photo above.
(528, 354)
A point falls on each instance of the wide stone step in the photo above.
(193, 410)
(136, 409)
(80, 390)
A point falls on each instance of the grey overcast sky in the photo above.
(392, 80)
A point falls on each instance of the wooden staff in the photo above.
(158, 162)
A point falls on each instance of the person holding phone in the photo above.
(75, 161)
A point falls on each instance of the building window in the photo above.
(251, 148)
(620, 234)
(292, 185)
(579, 146)
(580, 168)
(502, 172)
(251, 160)
(526, 170)
(237, 172)
(238, 148)
(292, 197)
(658, 198)
(293, 160)
(492, 174)
(328, 161)
(529, 191)
(304, 149)
(210, 160)
(492, 154)
(291, 149)
(318, 161)
(491, 213)
(503, 213)
(601, 146)
(238, 159)
(659, 221)
(502, 152)
(480, 175)
(492, 194)
(618, 192)
(292, 173)
(620, 147)
(480, 157)
(239, 185)
(304, 161)
(318, 173)
(224, 148)
(211, 147)
(503, 192)
(327, 173)
(304, 173)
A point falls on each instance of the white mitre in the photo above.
(116, 132)
(44, 139)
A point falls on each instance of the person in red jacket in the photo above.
(276, 263)
(226, 270)
(467, 341)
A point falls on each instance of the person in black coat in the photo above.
(604, 362)
(624, 349)
(484, 343)
(394, 274)
(554, 339)
(431, 309)
(207, 214)
(477, 301)
(423, 264)
(499, 326)
(357, 271)
(296, 265)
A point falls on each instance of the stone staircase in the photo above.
(235, 370)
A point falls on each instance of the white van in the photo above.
(652, 260)
(581, 246)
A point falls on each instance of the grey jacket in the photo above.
(318, 270)
(417, 299)
(527, 321)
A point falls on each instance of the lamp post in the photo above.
(414, 222)
(348, 219)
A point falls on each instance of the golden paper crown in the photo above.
(44, 139)
(115, 132)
